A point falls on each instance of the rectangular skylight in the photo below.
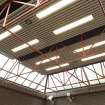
(54, 8)
(89, 46)
(93, 57)
(72, 25)
(23, 46)
(13, 30)
(47, 60)
(57, 67)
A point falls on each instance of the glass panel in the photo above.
(48, 90)
(76, 85)
(102, 80)
(26, 83)
(3, 59)
(26, 70)
(94, 82)
(90, 74)
(20, 80)
(33, 85)
(98, 69)
(32, 76)
(38, 78)
(3, 73)
(9, 64)
(12, 79)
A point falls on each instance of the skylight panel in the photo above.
(26, 83)
(57, 67)
(3, 73)
(54, 8)
(94, 82)
(72, 25)
(32, 76)
(12, 79)
(23, 46)
(3, 59)
(7, 34)
(89, 47)
(90, 74)
(47, 60)
(102, 80)
(26, 70)
(93, 57)
(76, 85)
(33, 85)
(19, 80)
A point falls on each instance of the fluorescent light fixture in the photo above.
(99, 44)
(93, 57)
(64, 65)
(57, 67)
(72, 25)
(82, 49)
(47, 60)
(54, 8)
(52, 68)
(89, 46)
(23, 46)
(13, 30)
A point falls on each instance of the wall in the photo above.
(9, 96)
(86, 99)
(12, 97)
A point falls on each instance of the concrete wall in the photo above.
(86, 99)
(12, 97)
(9, 96)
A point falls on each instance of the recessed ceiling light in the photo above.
(23, 46)
(72, 25)
(89, 46)
(93, 57)
(13, 30)
(57, 67)
(47, 60)
(54, 8)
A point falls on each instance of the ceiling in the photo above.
(78, 74)
(49, 44)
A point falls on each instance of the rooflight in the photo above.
(72, 25)
(89, 46)
(93, 57)
(54, 8)
(23, 46)
(13, 30)
(47, 60)
(57, 67)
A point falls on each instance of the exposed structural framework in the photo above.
(6, 5)
(13, 70)
(87, 76)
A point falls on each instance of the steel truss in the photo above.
(80, 77)
(27, 11)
